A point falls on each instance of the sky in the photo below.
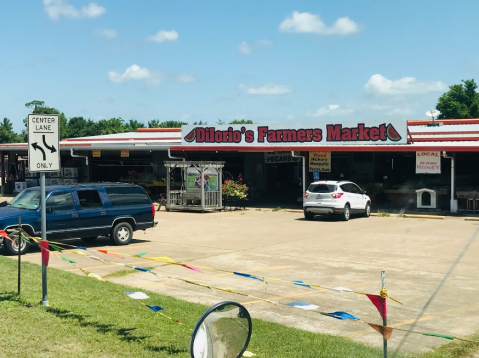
(267, 61)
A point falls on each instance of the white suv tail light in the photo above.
(305, 195)
(337, 195)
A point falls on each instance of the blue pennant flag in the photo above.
(249, 276)
(142, 269)
(81, 248)
(300, 283)
(340, 315)
(155, 308)
(303, 305)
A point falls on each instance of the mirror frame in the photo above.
(211, 309)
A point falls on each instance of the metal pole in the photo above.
(202, 181)
(44, 237)
(453, 206)
(19, 251)
(385, 320)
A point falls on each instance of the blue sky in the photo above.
(268, 61)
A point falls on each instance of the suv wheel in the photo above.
(12, 247)
(346, 213)
(89, 239)
(308, 215)
(122, 234)
(367, 210)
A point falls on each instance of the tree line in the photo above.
(460, 102)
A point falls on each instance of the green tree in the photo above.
(242, 121)
(81, 127)
(155, 123)
(133, 125)
(7, 134)
(200, 123)
(220, 122)
(461, 101)
(38, 107)
(112, 126)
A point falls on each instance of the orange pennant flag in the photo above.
(384, 331)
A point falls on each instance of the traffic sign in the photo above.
(316, 174)
(43, 143)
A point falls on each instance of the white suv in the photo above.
(335, 197)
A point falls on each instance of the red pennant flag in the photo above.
(45, 251)
(380, 304)
(384, 331)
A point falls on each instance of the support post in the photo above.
(385, 319)
(220, 186)
(168, 189)
(3, 172)
(44, 237)
(19, 252)
(202, 181)
(453, 202)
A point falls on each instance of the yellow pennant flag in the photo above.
(248, 354)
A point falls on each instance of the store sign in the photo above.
(428, 162)
(125, 153)
(319, 134)
(320, 161)
(96, 153)
(280, 157)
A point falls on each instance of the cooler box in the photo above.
(20, 186)
(70, 181)
(31, 182)
(70, 172)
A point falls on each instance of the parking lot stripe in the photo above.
(208, 276)
(426, 318)
(304, 293)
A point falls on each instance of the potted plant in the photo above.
(234, 191)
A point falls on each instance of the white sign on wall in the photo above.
(280, 157)
(43, 143)
(428, 162)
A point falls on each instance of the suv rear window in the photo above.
(134, 195)
(322, 188)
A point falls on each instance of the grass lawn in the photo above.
(94, 319)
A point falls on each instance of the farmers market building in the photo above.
(391, 160)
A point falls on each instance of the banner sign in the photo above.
(428, 162)
(125, 153)
(280, 157)
(317, 134)
(96, 153)
(320, 161)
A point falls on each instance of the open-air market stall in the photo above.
(193, 185)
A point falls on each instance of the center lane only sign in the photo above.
(43, 143)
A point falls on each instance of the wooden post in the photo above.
(385, 320)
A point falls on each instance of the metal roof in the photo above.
(450, 135)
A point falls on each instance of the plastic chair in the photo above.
(471, 201)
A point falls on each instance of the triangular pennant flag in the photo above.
(248, 354)
(339, 289)
(94, 275)
(45, 252)
(380, 304)
(103, 251)
(81, 248)
(303, 305)
(56, 248)
(341, 315)
(141, 269)
(141, 254)
(300, 283)
(249, 276)
(155, 308)
(137, 295)
(194, 268)
(446, 336)
(162, 258)
(68, 260)
(384, 331)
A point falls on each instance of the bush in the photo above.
(235, 189)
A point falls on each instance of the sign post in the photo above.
(43, 156)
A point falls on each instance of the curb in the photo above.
(412, 216)
(471, 219)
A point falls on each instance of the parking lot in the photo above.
(415, 253)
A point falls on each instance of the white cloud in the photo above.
(108, 32)
(305, 22)
(331, 110)
(57, 8)
(186, 78)
(379, 85)
(162, 36)
(244, 48)
(268, 89)
(135, 73)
